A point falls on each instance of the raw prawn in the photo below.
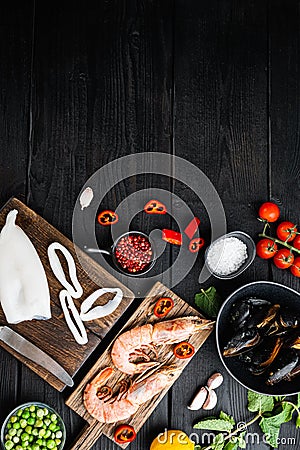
(101, 404)
(133, 343)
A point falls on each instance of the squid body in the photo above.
(24, 290)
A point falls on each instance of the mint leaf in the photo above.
(225, 416)
(241, 440)
(215, 425)
(218, 442)
(271, 432)
(271, 425)
(298, 421)
(231, 446)
(209, 302)
(259, 402)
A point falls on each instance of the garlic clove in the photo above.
(86, 197)
(211, 400)
(215, 381)
(199, 399)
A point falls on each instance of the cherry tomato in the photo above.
(296, 242)
(184, 350)
(295, 267)
(286, 231)
(266, 248)
(283, 258)
(269, 211)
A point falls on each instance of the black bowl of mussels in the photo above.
(258, 337)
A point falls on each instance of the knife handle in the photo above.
(88, 436)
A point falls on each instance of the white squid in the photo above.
(24, 290)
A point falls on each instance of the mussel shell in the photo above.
(240, 312)
(242, 341)
(256, 302)
(263, 316)
(288, 319)
(284, 364)
(264, 354)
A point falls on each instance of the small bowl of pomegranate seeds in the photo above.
(133, 253)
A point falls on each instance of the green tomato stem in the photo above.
(278, 241)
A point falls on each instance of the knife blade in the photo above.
(35, 354)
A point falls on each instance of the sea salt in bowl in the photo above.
(229, 255)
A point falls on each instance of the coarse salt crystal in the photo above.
(227, 255)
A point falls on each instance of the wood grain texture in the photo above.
(53, 335)
(16, 25)
(284, 153)
(102, 89)
(221, 87)
(144, 314)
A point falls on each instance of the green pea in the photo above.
(19, 447)
(19, 412)
(8, 445)
(57, 441)
(25, 444)
(53, 417)
(12, 432)
(47, 422)
(47, 434)
(31, 408)
(58, 434)
(24, 437)
(38, 423)
(35, 431)
(40, 413)
(13, 419)
(30, 420)
(51, 444)
(26, 414)
(28, 429)
(9, 425)
(16, 439)
(23, 423)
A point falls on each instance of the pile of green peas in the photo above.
(33, 428)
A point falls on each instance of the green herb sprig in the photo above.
(271, 413)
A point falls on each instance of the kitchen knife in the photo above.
(35, 354)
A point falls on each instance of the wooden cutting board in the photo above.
(144, 314)
(53, 335)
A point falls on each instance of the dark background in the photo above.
(215, 82)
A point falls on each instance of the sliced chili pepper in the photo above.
(163, 306)
(108, 217)
(155, 207)
(124, 434)
(184, 350)
(171, 236)
(196, 244)
(192, 227)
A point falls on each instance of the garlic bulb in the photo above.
(86, 197)
(199, 399)
(24, 290)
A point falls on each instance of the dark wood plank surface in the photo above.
(52, 335)
(216, 83)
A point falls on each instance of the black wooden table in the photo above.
(214, 82)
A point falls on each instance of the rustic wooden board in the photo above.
(53, 335)
(144, 314)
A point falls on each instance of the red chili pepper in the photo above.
(171, 236)
(124, 434)
(192, 227)
(196, 244)
(183, 350)
(108, 217)
(155, 207)
(163, 306)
